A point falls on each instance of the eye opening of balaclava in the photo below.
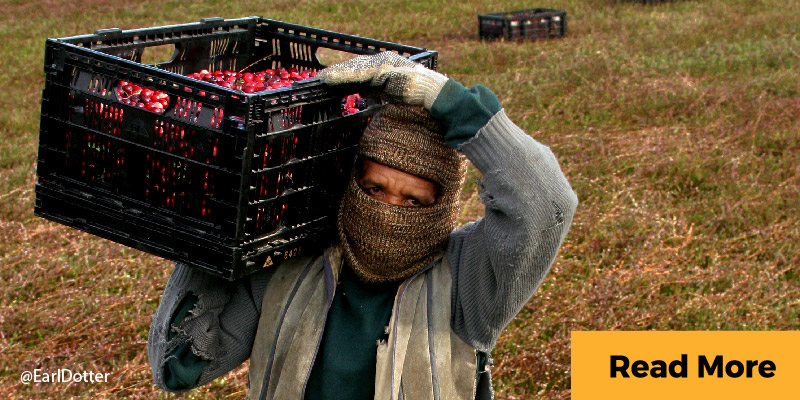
(385, 243)
(361, 172)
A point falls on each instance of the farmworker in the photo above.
(403, 306)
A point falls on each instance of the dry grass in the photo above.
(677, 125)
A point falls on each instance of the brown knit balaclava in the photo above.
(386, 243)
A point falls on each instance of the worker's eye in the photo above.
(373, 191)
(412, 202)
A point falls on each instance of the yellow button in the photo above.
(685, 365)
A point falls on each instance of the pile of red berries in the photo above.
(251, 82)
(353, 103)
(247, 82)
(142, 97)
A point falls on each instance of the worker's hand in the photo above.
(401, 79)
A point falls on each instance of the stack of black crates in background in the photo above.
(226, 181)
(529, 24)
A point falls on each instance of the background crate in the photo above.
(536, 23)
(222, 180)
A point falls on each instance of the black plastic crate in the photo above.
(220, 179)
(535, 23)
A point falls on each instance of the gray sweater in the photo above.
(497, 262)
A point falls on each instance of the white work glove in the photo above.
(401, 79)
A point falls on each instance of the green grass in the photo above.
(677, 125)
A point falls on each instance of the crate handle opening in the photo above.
(160, 54)
(328, 56)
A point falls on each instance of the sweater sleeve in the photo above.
(203, 327)
(463, 111)
(182, 368)
(498, 261)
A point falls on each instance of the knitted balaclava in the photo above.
(386, 243)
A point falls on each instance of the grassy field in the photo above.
(677, 124)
